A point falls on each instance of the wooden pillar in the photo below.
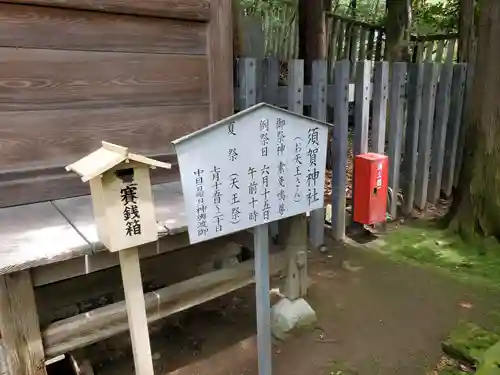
(293, 230)
(19, 325)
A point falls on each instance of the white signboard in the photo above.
(258, 166)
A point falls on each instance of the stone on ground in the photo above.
(288, 315)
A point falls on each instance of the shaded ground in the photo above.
(376, 316)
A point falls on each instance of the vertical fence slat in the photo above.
(289, 39)
(270, 79)
(335, 39)
(319, 86)
(330, 22)
(425, 133)
(439, 137)
(272, 33)
(340, 41)
(296, 86)
(420, 52)
(354, 49)
(378, 46)
(454, 122)
(361, 113)
(339, 149)
(380, 95)
(450, 51)
(440, 51)
(415, 83)
(362, 108)
(371, 41)
(247, 72)
(362, 44)
(430, 51)
(348, 38)
(396, 95)
(295, 38)
(332, 49)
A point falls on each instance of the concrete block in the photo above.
(288, 315)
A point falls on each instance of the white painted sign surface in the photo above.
(261, 165)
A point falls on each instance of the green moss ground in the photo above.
(425, 243)
(478, 262)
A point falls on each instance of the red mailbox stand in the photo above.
(370, 188)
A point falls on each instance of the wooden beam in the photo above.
(87, 328)
(70, 297)
(355, 22)
(195, 10)
(102, 260)
(19, 325)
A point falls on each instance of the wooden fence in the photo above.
(411, 112)
(357, 41)
(347, 38)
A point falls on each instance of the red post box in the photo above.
(370, 188)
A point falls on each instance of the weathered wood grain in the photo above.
(319, 84)
(101, 260)
(431, 75)
(380, 96)
(439, 137)
(197, 10)
(31, 235)
(32, 79)
(37, 144)
(58, 137)
(339, 149)
(220, 59)
(361, 115)
(362, 107)
(270, 80)
(84, 329)
(24, 26)
(73, 296)
(370, 46)
(18, 187)
(396, 114)
(415, 83)
(136, 311)
(19, 325)
(341, 40)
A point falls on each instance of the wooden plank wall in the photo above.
(88, 71)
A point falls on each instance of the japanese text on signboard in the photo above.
(263, 167)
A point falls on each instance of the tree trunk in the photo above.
(236, 9)
(467, 30)
(312, 33)
(397, 27)
(476, 207)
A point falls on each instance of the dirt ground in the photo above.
(376, 316)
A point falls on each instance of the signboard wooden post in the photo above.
(125, 218)
(260, 165)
